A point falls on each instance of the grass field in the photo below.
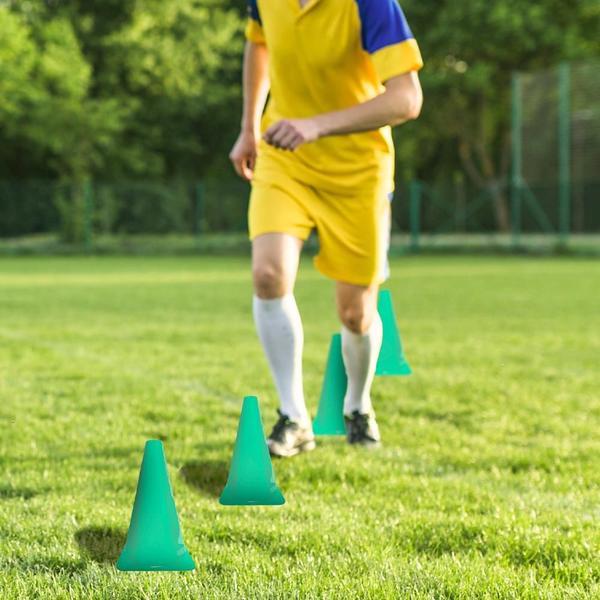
(487, 486)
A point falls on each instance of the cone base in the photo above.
(133, 561)
(323, 428)
(402, 368)
(236, 497)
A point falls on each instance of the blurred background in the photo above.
(116, 118)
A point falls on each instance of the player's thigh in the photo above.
(278, 204)
(354, 237)
(356, 305)
(275, 258)
(279, 222)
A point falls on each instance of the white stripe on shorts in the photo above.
(384, 241)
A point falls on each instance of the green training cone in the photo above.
(251, 478)
(154, 541)
(391, 359)
(330, 416)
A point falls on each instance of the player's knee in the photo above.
(355, 318)
(269, 281)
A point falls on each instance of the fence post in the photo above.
(460, 203)
(516, 177)
(199, 202)
(564, 150)
(415, 214)
(88, 214)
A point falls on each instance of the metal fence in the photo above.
(551, 197)
(79, 212)
(425, 215)
(442, 215)
(556, 150)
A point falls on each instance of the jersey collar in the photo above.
(300, 12)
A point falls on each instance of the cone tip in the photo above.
(250, 400)
(153, 443)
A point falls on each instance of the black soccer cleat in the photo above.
(362, 429)
(289, 438)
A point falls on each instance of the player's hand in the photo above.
(243, 155)
(288, 134)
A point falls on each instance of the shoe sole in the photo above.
(366, 445)
(304, 447)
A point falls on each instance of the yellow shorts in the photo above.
(353, 229)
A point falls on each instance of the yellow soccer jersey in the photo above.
(330, 55)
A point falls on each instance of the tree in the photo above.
(119, 89)
(471, 49)
(179, 62)
(46, 116)
(116, 89)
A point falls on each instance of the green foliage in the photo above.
(176, 61)
(471, 49)
(139, 98)
(142, 207)
(122, 89)
(45, 109)
(17, 61)
(70, 203)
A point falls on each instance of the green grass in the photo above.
(487, 485)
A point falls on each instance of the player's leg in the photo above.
(275, 259)
(354, 237)
(362, 333)
(278, 225)
(274, 266)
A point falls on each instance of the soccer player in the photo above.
(340, 73)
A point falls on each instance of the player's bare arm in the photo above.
(256, 89)
(400, 102)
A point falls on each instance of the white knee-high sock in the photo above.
(280, 331)
(360, 354)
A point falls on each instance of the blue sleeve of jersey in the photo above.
(253, 11)
(383, 24)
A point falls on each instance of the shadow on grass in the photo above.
(52, 564)
(101, 544)
(119, 452)
(208, 476)
(459, 418)
(90, 455)
(445, 538)
(156, 435)
(7, 493)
